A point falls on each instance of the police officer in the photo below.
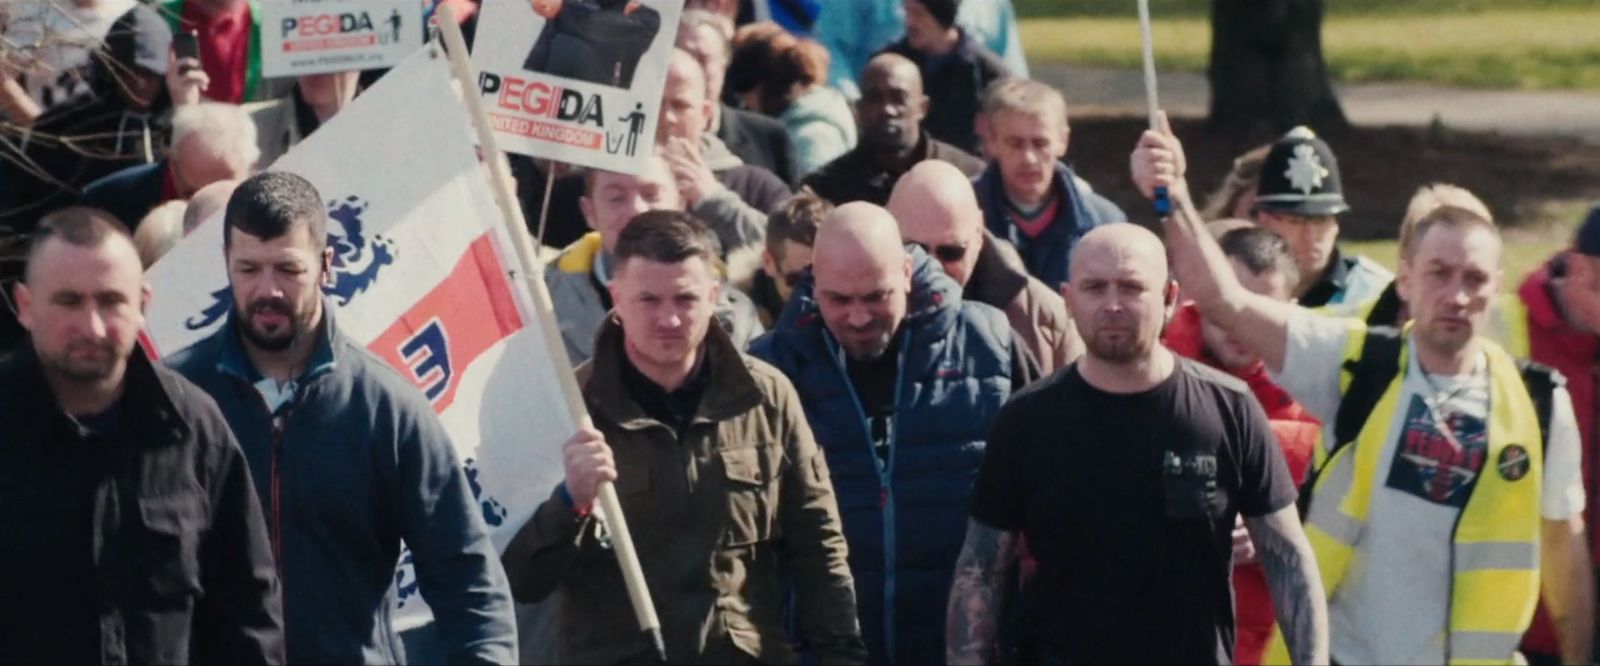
(1299, 197)
(1447, 491)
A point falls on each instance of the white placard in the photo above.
(319, 36)
(582, 86)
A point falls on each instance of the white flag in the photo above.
(421, 279)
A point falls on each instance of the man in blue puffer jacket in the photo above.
(899, 379)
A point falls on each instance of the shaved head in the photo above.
(863, 278)
(207, 202)
(1119, 294)
(937, 208)
(892, 105)
(893, 65)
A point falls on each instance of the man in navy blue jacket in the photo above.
(1028, 196)
(348, 457)
(899, 379)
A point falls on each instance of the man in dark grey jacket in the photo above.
(131, 532)
(348, 457)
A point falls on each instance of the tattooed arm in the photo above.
(1294, 583)
(973, 616)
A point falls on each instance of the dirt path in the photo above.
(1094, 91)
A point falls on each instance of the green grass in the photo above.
(1201, 8)
(1550, 46)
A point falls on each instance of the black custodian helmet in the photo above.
(1301, 176)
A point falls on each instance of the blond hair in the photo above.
(1433, 197)
(1240, 182)
(159, 231)
(1024, 96)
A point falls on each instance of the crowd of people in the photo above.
(877, 376)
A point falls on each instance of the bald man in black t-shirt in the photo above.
(1125, 471)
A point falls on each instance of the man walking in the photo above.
(1443, 498)
(1130, 518)
(131, 529)
(348, 457)
(725, 491)
(890, 113)
(900, 377)
(937, 210)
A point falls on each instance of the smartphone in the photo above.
(186, 45)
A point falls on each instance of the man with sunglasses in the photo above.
(938, 211)
(899, 377)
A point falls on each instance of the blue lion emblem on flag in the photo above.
(357, 261)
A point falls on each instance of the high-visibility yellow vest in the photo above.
(1495, 554)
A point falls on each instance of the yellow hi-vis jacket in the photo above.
(1495, 555)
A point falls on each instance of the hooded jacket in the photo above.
(905, 520)
(821, 125)
(1047, 255)
(955, 83)
(353, 464)
(581, 307)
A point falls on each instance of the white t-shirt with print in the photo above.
(1392, 605)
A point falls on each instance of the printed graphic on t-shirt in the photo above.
(1436, 466)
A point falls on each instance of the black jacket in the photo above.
(954, 83)
(137, 540)
(129, 194)
(760, 141)
(855, 176)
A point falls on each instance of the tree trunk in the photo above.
(1267, 72)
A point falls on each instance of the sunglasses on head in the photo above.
(954, 252)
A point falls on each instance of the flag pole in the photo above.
(500, 182)
(1153, 106)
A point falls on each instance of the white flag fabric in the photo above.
(421, 279)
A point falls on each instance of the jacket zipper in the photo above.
(277, 495)
(885, 482)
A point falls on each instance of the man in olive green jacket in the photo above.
(724, 489)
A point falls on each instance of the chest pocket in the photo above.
(751, 474)
(166, 554)
(1189, 485)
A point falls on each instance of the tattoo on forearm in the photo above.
(1294, 583)
(973, 616)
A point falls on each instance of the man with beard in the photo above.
(1438, 504)
(899, 377)
(889, 113)
(1125, 473)
(132, 533)
(348, 457)
(599, 41)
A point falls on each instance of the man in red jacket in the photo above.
(1555, 320)
(1265, 265)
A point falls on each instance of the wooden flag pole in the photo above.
(1163, 204)
(610, 507)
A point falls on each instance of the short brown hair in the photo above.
(796, 221)
(79, 226)
(667, 237)
(1021, 95)
(1443, 216)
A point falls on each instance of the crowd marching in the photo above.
(877, 376)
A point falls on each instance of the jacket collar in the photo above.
(730, 391)
(1538, 298)
(232, 359)
(931, 312)
(998, 276)
(580, 255)
(716, 153)
(147, 413)
(991, 190)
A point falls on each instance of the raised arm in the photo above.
(1568, 585)
(1258, 322)
(1294, 583)
(972, 618)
